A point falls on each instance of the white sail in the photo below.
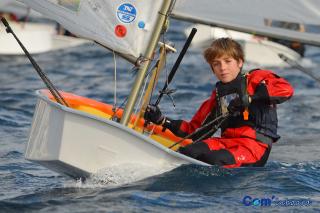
(4, 3)
(252, 16)
(99, 20)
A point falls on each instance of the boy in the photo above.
(250, 101)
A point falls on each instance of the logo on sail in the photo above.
(126, 13)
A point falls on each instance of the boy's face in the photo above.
(226, 68)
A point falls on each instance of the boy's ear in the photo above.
(240, 63)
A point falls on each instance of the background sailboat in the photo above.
(254, 46)
(18, 9)
(120, 26)
(37, 37)
(251, 15)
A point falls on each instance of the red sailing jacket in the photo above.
(262, 86)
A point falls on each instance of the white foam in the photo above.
(120, 175)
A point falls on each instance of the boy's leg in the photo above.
(228, 152)
(201, 151)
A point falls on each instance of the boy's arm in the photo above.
(182, 128)
(264, 85)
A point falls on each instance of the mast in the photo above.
(162, 16)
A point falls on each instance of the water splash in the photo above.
(121, 174)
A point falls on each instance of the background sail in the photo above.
(252, 16)
(17, 8)
(123, 26)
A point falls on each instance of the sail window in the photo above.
(70, 4)
(294, 26)
(284, 24)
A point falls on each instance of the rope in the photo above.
(120, 107)
(124, 101)
(223, 117)
(212, 131)
(299, 67)
(142, 92)
(140, 60)
(54, 91)
(154, 74)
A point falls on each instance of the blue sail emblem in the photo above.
(126, 13)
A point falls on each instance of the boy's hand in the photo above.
(153, 114)
(236, 106)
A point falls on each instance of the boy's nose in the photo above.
(223, 65)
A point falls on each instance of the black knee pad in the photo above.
(218, 157)
(195, 150)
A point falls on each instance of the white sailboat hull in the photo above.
(257, 51)
(37, 38)
(78, 144)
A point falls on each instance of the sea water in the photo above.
(290, 182)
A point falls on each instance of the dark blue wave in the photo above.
(186, 188)
(88, 71)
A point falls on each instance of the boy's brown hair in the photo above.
(221, 47)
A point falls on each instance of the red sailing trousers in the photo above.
(245, 150)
